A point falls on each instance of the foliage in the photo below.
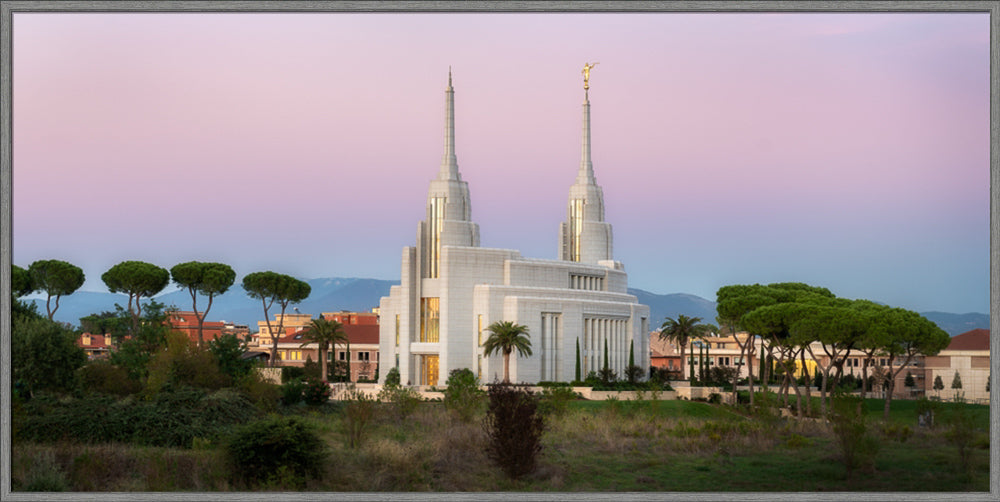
(182, 363)
(43, 354)
(938, 383)
(577, 372)
(270, 287)
(358, 414)
(956, 382)
(262, 393)
(289, 373)
(961, 433)
(107, 378)
(403, 400)
(261, 451)
(208, 279)
(392, 376)
(681, 331)
(633, 373)
(858, 446)
(56, 278)
(316, 392)
(325, 333)
(910, 381)
(555, 400)
(505, 337)
(292, 392)
(135, 352)
(171, 418)
(514, 429)
(463, 395)
(20, 281)
(228, 350)
(136, 279)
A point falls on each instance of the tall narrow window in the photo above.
(480, 327)
(435, 219)
(429, 319)
(575, 228)
(397, 330)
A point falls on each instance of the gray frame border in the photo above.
(10, 7)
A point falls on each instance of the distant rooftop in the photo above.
(977, 339)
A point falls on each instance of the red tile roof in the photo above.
(977, 339)
(356, 333)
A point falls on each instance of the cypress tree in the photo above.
(606, 367)
(631, 356)
(577, 359)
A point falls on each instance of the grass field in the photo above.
(593, 446)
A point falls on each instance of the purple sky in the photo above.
(849, 151)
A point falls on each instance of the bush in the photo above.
(392, 377)
(262, 393)
(289, 373)
(293, 392)
(961, 432)
(283, 451)
(183, 364)
(358, 413)
(514, 429)
(403, 400)
(858, 447)
(555, 400)
(463, 395)
(104, 377)
(173, 418)
(316, 392)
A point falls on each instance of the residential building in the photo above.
(451, 289)
(186, 322)
(363, 338)
(290, 323)
(968, 355)
(95, 346)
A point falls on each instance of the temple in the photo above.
(451, 290)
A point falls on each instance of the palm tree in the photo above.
(326, 334)
(505, 337)
(681, 331)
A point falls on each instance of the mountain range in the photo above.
(360, 295)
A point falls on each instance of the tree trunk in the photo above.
(683, 372)
(506, 367)
(322, 364)
(808, 379)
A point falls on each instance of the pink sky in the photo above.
(849, 151)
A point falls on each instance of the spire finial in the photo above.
(449, 163)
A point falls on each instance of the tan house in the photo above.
(968, 356)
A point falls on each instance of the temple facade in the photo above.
(451, 290)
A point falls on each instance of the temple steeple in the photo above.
(586, 174)
(448, 219)
(449, 162)
(584, 236)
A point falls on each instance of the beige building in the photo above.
(968, 355)
(292, 323)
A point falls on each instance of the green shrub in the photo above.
(403, 400)
(555, 400)
(392, 377)
(290, 373)
(359, 410)
(514, 429)
(961, 432)
(463, 395)
(316, 392)
(858, 446)
(107, 378)
(174, 417)
(277, 451)
(262, 393)
(292, 392)
(182, 363)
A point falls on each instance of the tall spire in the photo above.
(586, 174)
(449, 162)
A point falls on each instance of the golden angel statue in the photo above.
(586, 74)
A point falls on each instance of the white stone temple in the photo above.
(451, 289)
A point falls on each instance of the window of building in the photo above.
(575, 228)
(480, 328)
(435, 218)
(428, 370)
(364, 356)
(397, 330)
(429, 319)
(342, 355)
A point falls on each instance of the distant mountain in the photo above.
(360, 295)
(327, 295)
(672, 305)
(956, 324)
